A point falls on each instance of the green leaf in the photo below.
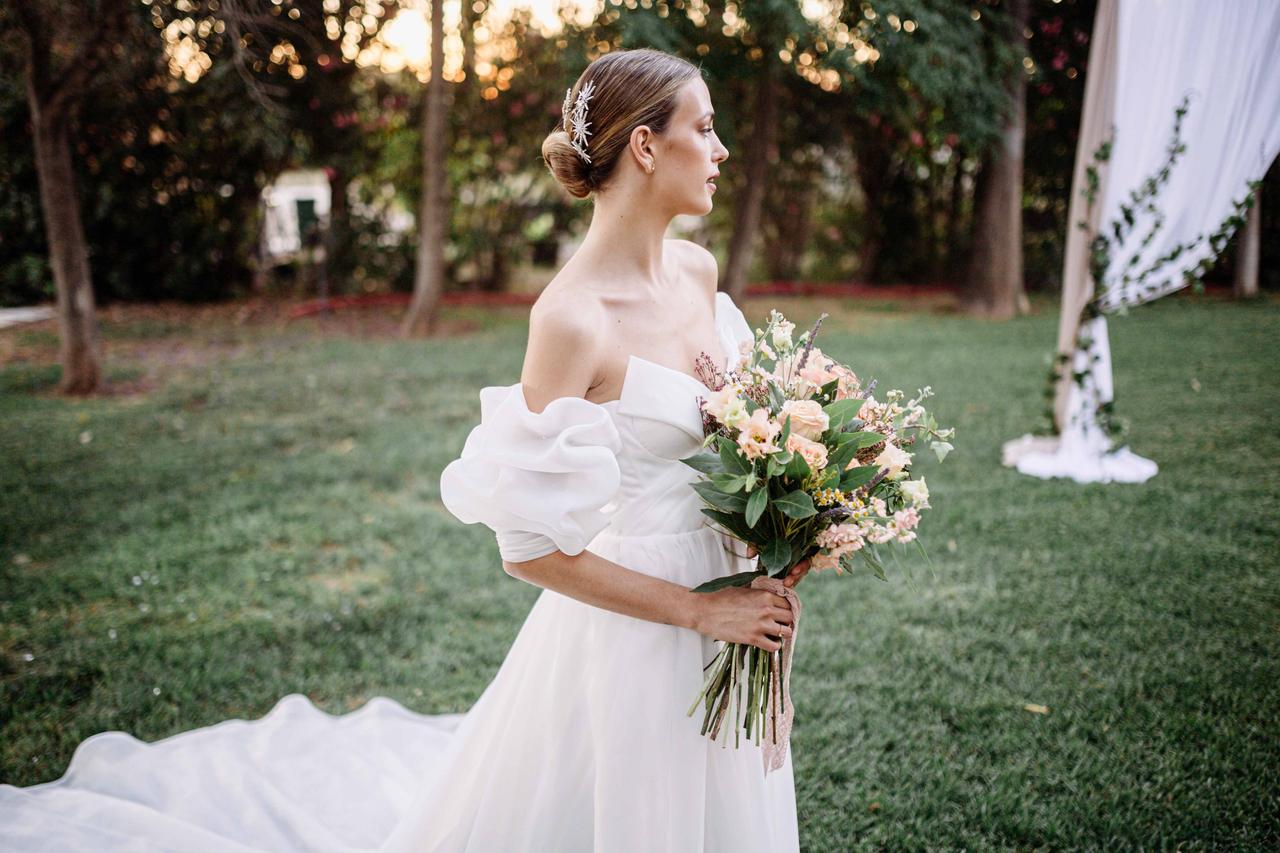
(797, 469)
(842, 455)
(846, 408)
(736, 579)
(720, 500)
(705, 461)
(775, 397)
(877, 568)
(796, 504)
(733, 461)
(862, 439)
(786, 431)
(755, 505)
(941, 448)
(731, 522)
(729, 483)
(828, 479)
(776, 555)
(859, 476)
(841, 412)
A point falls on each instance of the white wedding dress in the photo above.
(581, 742)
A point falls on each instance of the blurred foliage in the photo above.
(886, 107)
(168, 174)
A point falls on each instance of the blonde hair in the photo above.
(632, 87)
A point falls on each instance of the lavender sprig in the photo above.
(808, 345)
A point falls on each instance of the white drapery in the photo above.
(1147, 55)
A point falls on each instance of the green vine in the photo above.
(1109, 297)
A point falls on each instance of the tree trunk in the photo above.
(338, 251)
(428, 281)
(761, 149)
(995, 288)
(79, 347)
(874, 179)
(787, 237)
(956, 231)
(1249, 251)
(470, 15)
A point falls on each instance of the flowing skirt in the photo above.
(581, 742)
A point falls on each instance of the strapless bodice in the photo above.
(555, 479)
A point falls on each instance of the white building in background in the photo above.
(290, 204)
(300, 197)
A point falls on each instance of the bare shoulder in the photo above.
(698, 262)
(561, 359)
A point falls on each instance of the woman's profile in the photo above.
(582, 741)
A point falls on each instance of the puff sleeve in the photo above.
(732, 325)
(539, 480)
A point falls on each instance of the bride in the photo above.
(582, 741)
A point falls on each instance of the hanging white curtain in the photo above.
(1221, 57)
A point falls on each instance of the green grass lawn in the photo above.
(268, 522)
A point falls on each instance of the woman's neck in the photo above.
(624, 243)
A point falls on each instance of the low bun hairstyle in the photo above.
(632, 87)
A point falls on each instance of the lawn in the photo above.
(262, 517)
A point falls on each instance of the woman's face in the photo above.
(689, 154)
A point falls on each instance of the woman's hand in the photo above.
(742, 614)
(797, 573)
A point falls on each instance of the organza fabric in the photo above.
(1146, 56)
(582, 740)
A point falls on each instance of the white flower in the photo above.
(718, 400)
(735, 413)
(782, 334)
(917, 492)
(894, 458)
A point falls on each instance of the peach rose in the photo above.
(814, 452)
(807, 418)
(849, 386)
(817, 369)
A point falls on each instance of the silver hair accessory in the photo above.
(576, 118)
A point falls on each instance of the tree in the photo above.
(63, 46)
(926, 102)
(995, 285)
(428, 281)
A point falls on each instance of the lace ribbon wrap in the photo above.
(781, 713)
(539, 480)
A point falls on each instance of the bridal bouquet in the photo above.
(800, 461)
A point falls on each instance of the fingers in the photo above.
(783, 615)
(778, 601)
(797, 573)
(769, 644)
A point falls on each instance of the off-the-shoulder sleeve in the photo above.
(539, 480)
(732, 325)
